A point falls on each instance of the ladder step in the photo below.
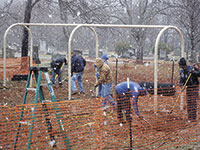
(43, 84)
(44, 101)
(31, 89)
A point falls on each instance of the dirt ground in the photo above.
(171, 128)
(13, 95)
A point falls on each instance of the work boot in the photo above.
(105, 107)
(122, 122)
(74, 93)
(192, 120)
(60, 85)
(82, 92)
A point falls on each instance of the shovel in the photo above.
(180, 93)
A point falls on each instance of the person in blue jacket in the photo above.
(105, 58)
(124, 92)
(78, 64)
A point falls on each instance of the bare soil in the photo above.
(171, 128)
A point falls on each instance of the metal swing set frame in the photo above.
(92, 28)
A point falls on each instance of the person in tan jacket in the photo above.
(105, 78)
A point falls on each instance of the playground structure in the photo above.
(88, 127)
(91, 27)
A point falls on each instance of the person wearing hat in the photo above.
(105, 78)
(105, 58)
(189, 79)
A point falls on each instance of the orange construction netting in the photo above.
(87, 126)
(15, 66)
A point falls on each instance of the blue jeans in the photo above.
(106, 88)
(78, 77)
(54, 75)
(100, 90)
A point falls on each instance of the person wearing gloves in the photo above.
(77, 69)
(105, 58)
(105, 78)
(56, 69)
(124, 92)
(189, 79)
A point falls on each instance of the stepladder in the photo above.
(38, 73)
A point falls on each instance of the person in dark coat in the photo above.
(56, 65)
(189, 76)
(124, 92)
(77, 69)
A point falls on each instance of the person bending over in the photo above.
(124, 92)
(56, 65)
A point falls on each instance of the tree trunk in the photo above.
(139, 37)
(27, 18)
(139, 56)
(64, 5)
(192, 41)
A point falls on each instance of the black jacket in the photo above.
(184, 74)
(78, 64)
(57, 64)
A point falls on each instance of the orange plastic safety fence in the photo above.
(15, 66)
(87, 126)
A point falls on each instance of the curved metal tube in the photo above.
(69, 53)
(164, 27)
(31, 41)
(4, 44)
(156, 61)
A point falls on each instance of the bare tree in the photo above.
(140, 12)
(64, 15)
(8, 15)
(186, 14)
(5, 11)
(83, 11)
